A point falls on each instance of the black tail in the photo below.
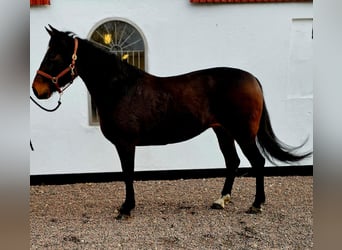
(271, 147)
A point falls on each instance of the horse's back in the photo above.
(212, 80)
(222, 95)
(222, 86)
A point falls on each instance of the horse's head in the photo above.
(57, 69)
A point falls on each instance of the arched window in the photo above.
(125, 40)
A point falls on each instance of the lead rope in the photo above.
(45, 109)
(32, 149)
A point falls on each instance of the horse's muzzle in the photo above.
(41, 90)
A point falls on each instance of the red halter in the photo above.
(54, 79)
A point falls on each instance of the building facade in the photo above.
(273, 41)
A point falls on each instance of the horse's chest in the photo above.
(127, 122)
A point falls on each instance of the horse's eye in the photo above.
(51, 54)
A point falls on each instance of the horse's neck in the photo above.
(104, 75)
(92, 62)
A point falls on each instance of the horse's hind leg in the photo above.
(257, 161)
(227, 146)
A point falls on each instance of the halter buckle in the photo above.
(72, 69)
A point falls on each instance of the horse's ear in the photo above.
(48, 31)
(52, 30)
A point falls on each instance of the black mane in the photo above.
(70, 34)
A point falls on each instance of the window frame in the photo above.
(92, 120)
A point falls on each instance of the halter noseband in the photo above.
(71, 67)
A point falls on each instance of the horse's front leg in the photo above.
(126, 154)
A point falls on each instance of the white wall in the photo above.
(272, 41)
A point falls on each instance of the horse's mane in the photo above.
(70, 34)
(73, 35)
(125, 68)
(93, 43)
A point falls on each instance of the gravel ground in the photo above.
(173, 215)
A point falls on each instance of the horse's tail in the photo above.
(271, 147)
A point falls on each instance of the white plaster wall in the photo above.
(272, 41)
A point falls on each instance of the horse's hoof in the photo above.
(220, 203)
(216, 206)
(254, 210)
(121, 216)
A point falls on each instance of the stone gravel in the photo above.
(173, 215)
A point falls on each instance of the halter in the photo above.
(71, 67)
(54, 80)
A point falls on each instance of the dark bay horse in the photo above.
(137, 108)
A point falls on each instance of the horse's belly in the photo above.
(168, 136)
